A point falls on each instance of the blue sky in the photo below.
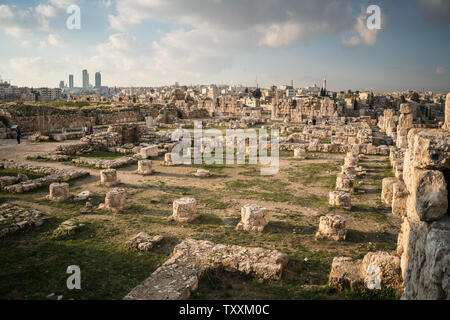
(158, 42)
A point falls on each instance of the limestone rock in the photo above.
(143, 241)
(179, 276)
(202, 173)
(253, 218)
(332, 227)
(387, 190)
(108, 177)
(399, 198)
(431, 149)
(145, 167)
(115, 200)
(429, 195)
(345, 274)
(300, 153)
(340, 199)
(149, 152)
(380, 270)
(59, 192)
(184, 210)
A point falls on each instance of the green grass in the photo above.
(15, 172)
(105, 155)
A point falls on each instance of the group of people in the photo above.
(88, 130)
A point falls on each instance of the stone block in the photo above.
(340, 199)
(145, 167)
(253, 218)
(332, 227)
(149, 152)
(387, 189)
(59, 192)
(108, 177)
(184, 210)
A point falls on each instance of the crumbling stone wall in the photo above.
(424, 241)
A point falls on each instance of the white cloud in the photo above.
(361, 34)
(55, 41)
(281, 34)
(46, 11)
(63, 4)
(18, 23)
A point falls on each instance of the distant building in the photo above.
(61, 85)
(71, 81)
(98, 80)
(85, 79)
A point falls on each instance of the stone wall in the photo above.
(424, 240)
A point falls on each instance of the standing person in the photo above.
(86, 130)
(92, 130)
(18, 135)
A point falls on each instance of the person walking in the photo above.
(18, 135)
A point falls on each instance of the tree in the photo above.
(402, 99)
(257, 94)
(415, 97)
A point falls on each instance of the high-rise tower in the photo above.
(85, 79)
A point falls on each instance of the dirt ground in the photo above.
(34, 264)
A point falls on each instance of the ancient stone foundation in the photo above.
(149, 152)
(108, 177)
(387, 190)
(253, 218)
(115, 200)
(178, 277)
(332, 227)
(300, 153)
(424, 240)
(377, 270)
(14, 218)
(340, 199)
(168, 159)
(59, 192)
(145, 167)
(184, 210)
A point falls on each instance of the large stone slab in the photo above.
(178, 277)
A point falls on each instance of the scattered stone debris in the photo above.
(82, 196)
(105, 164)
(53, 175)
(65, 229)
(14, 218)
(10, 180)
(143, 241)
(178, 277)
(202, 173)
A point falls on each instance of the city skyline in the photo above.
(150, 44)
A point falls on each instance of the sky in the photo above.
(269, 42)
